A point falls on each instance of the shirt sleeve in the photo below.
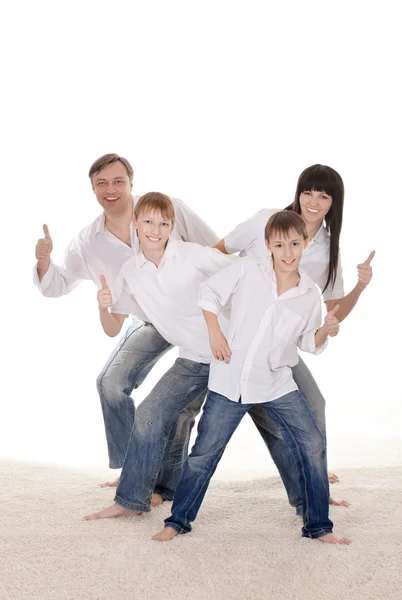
(210, 260)
(338, 291)
(191, 227)
(307, 339)
(59, 281)
(215, 293)
(124, 302)
(242, 236)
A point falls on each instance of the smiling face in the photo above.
(286, 250)
(112, 188)
(153, 229)
(314, 206)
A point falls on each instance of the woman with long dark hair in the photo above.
(319, 200)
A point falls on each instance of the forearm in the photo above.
(111, 325)
(321, 335)
(346, 304)
(212, 322)
(42, 268)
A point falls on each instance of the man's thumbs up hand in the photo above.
(44, 247)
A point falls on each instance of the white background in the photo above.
(221, 104)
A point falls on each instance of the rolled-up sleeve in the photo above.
(217, 290)
(307, 339)
(59, 281)
(244, 234)
(210, 260)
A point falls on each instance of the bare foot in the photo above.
(166, 535)
(113, 483)
(332, 478)
(115, 510)
(156, 500)
(330, 538)
(338, 502)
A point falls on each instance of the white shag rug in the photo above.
(246, 542)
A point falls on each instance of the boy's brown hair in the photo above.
(155, 201)
(108, 159)
(282, 222)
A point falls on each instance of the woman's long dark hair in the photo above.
(321, 178)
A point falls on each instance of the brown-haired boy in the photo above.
(274, 309)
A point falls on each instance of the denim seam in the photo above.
(162, 453)
(214, 464)
(305, 517)
(173, 525)
(317, 534)
(131, 506)
(159, 464)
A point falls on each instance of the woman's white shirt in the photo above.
(249, 240)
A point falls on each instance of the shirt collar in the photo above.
(305, 282)
(321, 236)
(100, 221)
(170, 252)
(100, 224)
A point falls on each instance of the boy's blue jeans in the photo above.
(135, 355)
(132, 359)
(219, 420)
(184, 383)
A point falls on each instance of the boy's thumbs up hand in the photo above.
(104, 294)
(365, 271)
(44, 247)
(331, 322)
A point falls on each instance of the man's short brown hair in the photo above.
(108, 159)
(282, 222)
(155, 201)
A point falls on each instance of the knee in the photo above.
(151, 422)
(317, 443)
(109, 387)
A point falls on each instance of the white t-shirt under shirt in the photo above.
(249, 240)
(96, 251)
(264, 331)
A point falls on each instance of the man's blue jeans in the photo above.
(185, 382)
(219, 420)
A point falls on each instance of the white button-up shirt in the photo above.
(264, 332)
(248, 239)
(96, 251)
(167, 295)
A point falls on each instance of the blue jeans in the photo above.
(220, 418)
(280, 451)
(130, 362)
(183, 386)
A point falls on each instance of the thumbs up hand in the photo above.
(365, 271)
(104, 294)
(44, 248)
(331, 322)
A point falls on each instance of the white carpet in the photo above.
(246, 543)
